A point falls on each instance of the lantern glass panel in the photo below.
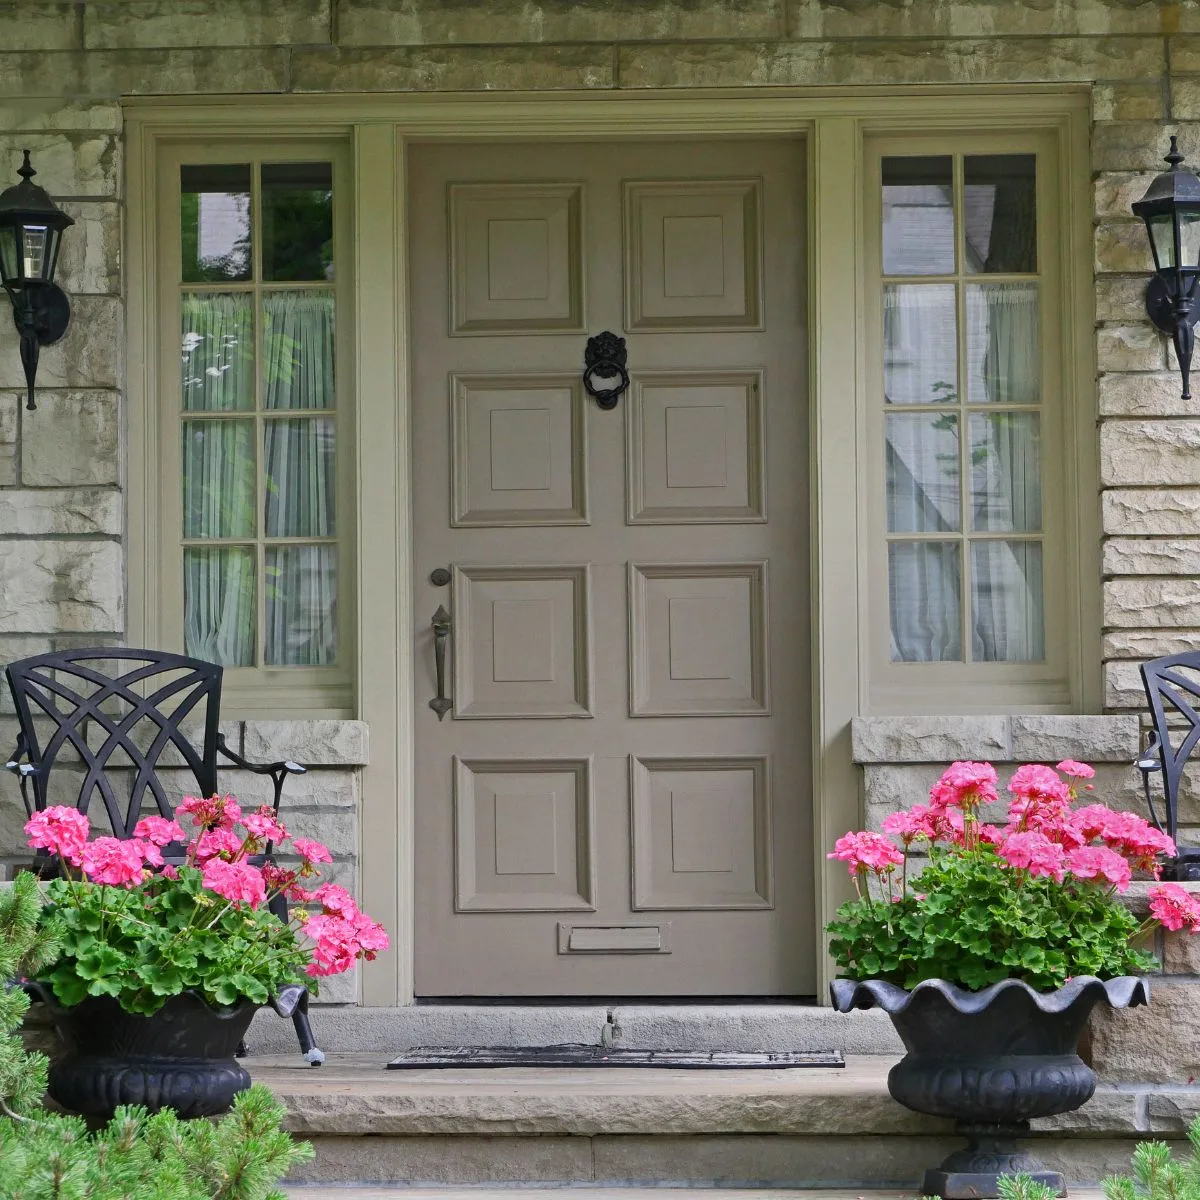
(1189, 239)
(36, 252)
(1162, 239)
(8, 253)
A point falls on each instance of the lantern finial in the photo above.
(1172, 156)
(26, 170)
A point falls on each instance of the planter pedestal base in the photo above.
(973, 1172)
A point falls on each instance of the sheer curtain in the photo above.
(1004, 459)
(221, 497)
(301, 580)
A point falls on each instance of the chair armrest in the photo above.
(278, 771)
(288, 767)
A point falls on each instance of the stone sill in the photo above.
(1014, 738)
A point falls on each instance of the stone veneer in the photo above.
(65, 64)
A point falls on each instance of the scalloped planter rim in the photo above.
(992, 1060)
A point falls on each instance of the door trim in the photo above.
(832, 122)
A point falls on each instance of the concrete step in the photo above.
(753, 1027)
(317, 1192)
(626, 1127)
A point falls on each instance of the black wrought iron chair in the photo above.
(108, 711)
(1172, 688)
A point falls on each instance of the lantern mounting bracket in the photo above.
(41, 313)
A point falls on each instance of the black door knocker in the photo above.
(604, 360)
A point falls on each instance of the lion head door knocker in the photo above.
(604, 373)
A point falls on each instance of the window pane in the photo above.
(1000, 212)
(218, 351)
(923, 473)
(215, 223)
(1003, 359)
(1006, 476)
(297, 221)
(298, 350)
(218, 604)
(918, 216)
(301, 606)
(1007, 619)
(218, 479)
(923, 588)
(920, 347)
(299, 470)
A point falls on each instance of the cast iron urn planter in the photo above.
(181, 1057)
(992, 1060)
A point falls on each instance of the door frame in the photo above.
(832, 123)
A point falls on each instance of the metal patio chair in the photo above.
(120, 711)
(1172, 688)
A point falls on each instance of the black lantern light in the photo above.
(1171, 210)
(31, 228)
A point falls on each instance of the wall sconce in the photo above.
(31, 228)
(1171, 210)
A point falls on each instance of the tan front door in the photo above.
(617, 802)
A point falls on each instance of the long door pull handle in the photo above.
(441, 703)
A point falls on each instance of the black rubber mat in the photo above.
(426, 1057)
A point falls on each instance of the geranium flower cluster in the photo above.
(222, 847)
(1043, 835)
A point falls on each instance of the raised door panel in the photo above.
(693, 254)
(698, 639)
(695, 448)
(523, 835)
(516, 264)
(519, 452)
(701, 833)
(521, 642)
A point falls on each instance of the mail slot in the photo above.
(614, 939)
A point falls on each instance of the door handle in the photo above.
(441, 703)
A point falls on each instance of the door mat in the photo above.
(426, 1057)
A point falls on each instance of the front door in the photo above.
(616, 801)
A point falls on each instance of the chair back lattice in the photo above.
(118, 712)
(1172, 688)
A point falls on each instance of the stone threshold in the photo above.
(318, 1192)
(353, 1094)
(698, 1027)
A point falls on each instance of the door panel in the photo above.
(618, 802)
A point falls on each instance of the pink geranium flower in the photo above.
(965, 785)
(862, 852)
(1174, 907)
(158, 831)
(264, 825)
(1039, 783)
(113, 862)
(212, 812)
(214, 843)
(311, 851)
(334, 898)
(1099, 862)
(61, 830)
(1033, 852)
(238, 882)
(1076, 770)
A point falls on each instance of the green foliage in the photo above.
(44, 1156)
(970, 919)
(1024, 1187)
(240, 1157)
(24, 949)
(1156, 1176)
(147, 943)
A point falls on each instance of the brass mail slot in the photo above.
(614, 939)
